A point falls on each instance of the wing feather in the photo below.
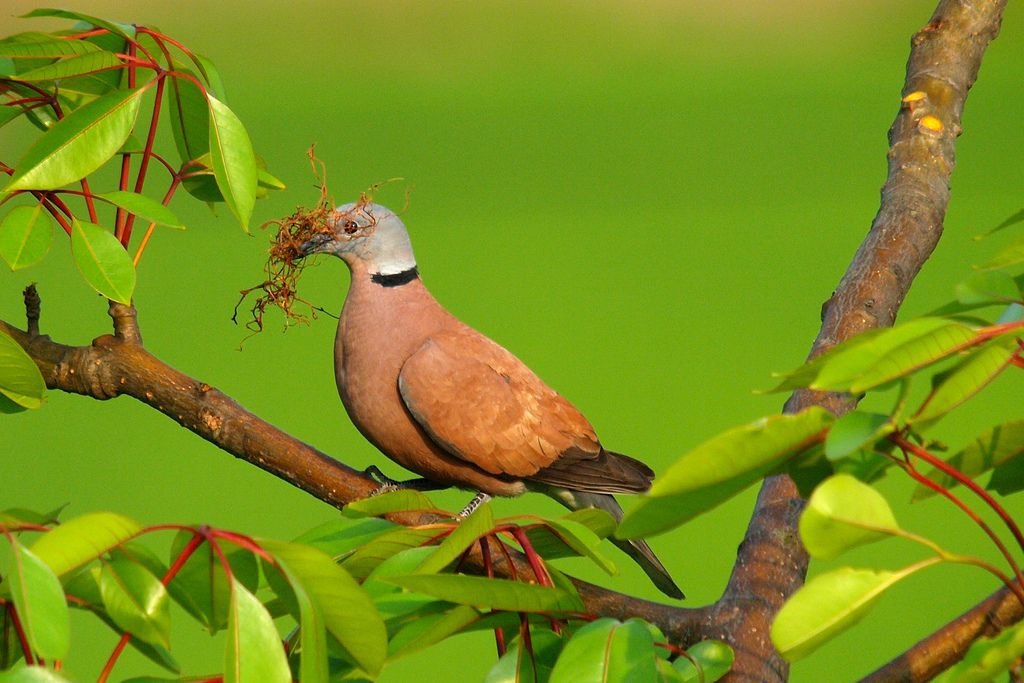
(482, 404)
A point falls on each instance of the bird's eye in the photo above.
(349, 226)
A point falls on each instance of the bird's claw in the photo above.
(385, 484)
(478, 500)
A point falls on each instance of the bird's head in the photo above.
(366, 234)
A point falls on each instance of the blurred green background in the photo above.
(648, 202)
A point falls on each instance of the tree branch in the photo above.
(944, 60)
(947, 646)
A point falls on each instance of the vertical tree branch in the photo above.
(944, 60)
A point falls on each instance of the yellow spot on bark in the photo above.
(931, 123)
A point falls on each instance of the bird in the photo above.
(449, 404)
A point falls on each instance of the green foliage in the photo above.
(826, 606)
(96, 98)
(723, 466)
(25, 236)
(988, 658)
(844, 513)
(608, 650)
(21, 384)
(136, 601)
(341, 628)
(254, 653)
(38, 599)
(102, 261)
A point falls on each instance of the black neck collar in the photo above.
(396, 279)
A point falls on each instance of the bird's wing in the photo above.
(482, 404)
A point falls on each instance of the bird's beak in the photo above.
(315, 244)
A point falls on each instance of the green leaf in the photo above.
(233, 161)
(607, 650)
(518, 666)
(9, 407)
(31, 674)
(80, 143)
(342, 536)
(855, 430)
(144, 207)
(20, 379)
(43, 46)
(103, 262)
(13, 517)
(347, 610)
(83, 539)
(406, 562)
(136, 601)
(914, 354)
(38, 598)
(993, 447)
(25, 236)
(465, 534)
(365, 559)
(955, 386)
(721, 467)
(844, 513)
(210, 74)
(189, 114)
(493, 593)
(1008, 477)
(879, 356)
(987, 658)
(399, 607)
(254, 653)
(313, 667)
(601, 523)
(429, 630)
(84, 586)
(202, 587)
(1010, 255)
(123, 30)
(1012, 220)
(987, 287)
(826, 606)
(267, 180)
(714, 657)
(564, 538)
(135, 551)
(89, 63)
(402, 500)
(9, 112)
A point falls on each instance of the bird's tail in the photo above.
(637, 549)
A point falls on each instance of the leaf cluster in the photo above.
(352, 595)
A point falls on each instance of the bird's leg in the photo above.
(386, 483)
(478, 500)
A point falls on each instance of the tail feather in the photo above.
(636, 549)
(607, 472)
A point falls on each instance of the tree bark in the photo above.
(944, 60)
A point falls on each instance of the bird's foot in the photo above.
(478, 500)
(386, 484)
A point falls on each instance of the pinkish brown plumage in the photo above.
(446, 402)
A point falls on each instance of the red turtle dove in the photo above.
(446, 402)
